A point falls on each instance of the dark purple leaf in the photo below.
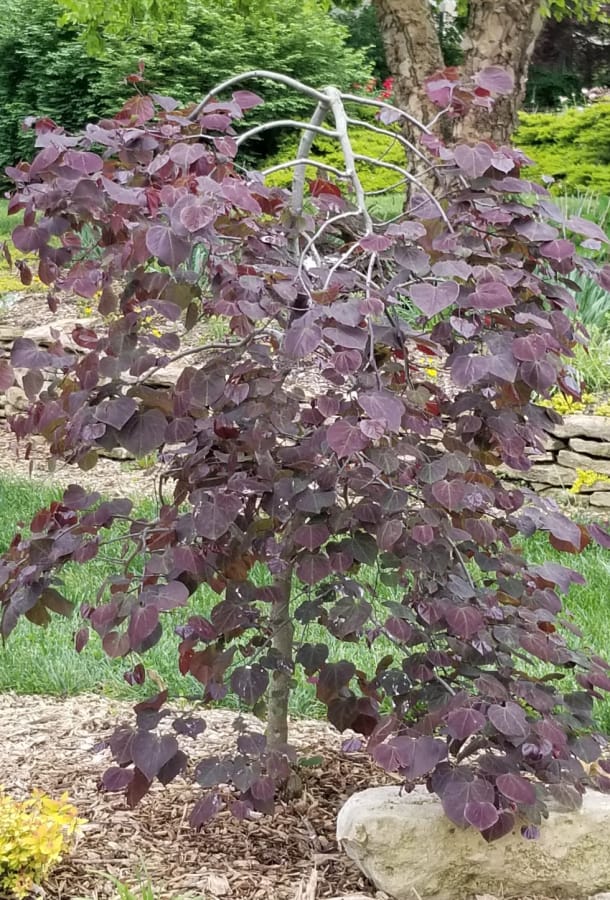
(509, 720)
(384, 406)
(475, 160)
(465, 621)
(215, 515)
(150, 753)
(517, 789)
(142, 623)
(461, 723)
(169, 249)
(205, 809)
(116, 412)
(312, 657)
(116, 779)
(302, 339)
(143, 433)
(491, 295)
(250, 682)
(433, 299)
(345, 439)
(457, 790)
(311, 536)
(481, 815)
(189, 726)
(504, 826)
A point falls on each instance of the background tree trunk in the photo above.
(413, 51)
(279, 688)
(499, 33)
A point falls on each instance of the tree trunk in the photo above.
(279, 688)
(499, 33)
(413, 51)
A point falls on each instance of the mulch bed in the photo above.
(48, 744)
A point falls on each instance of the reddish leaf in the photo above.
(495, 79)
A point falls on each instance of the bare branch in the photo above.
(368, 101)
(305, 144)
(411, 178)
(258, 73)
(360, 123)
(338, 111)
(284, 123)
(291, 163)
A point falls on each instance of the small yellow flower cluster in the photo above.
(34, 833)
(431, 372)
(587, 478)
(564, 404)
(602, 410)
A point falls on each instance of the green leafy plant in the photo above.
(592, 360)
(45, 69)
(573, 147)
(34, 835)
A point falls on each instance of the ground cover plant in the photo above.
(377, 477)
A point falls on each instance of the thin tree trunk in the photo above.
(499, 33)
(279, 688)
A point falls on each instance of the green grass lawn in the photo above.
(42, 661)
(7, 223)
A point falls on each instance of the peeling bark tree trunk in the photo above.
(499, 33)
(279, 688)
(413, 51)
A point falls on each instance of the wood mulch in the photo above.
(48, 743)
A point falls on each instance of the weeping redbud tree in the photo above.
(311, 440)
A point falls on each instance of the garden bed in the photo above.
(47, 743)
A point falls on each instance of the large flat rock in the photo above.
(591, 448)
(600, 498)
(584, 426)
(579, 461)
(407, 847)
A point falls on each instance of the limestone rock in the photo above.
(559, 476)
(407, 847)
(578, 461)
(545, 457)
(16, 400)
(600, 498)
(553, 443)
(584, 426)
(591, 448)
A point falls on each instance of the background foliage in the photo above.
(45, 68)
(573, 147)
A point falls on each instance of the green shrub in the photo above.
(45, 69)
(573, 147)
(327, 150)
